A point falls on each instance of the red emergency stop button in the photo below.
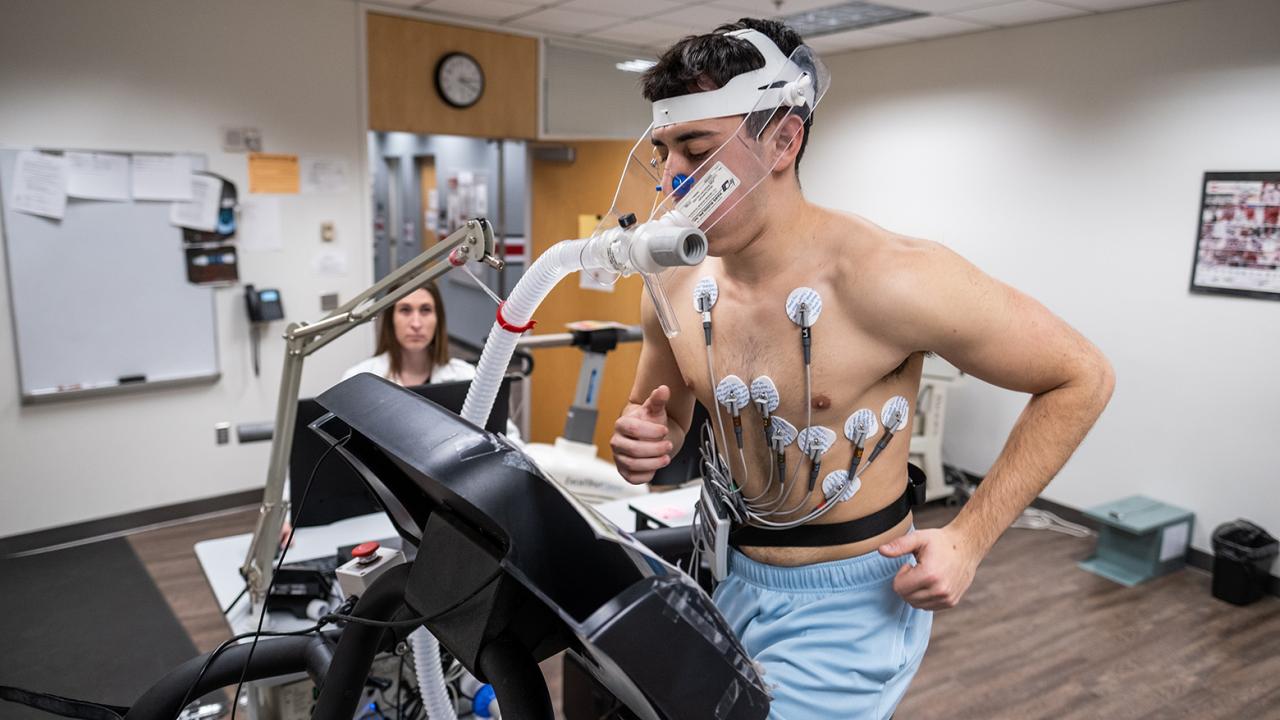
(366, 552)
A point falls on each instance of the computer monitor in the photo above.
(337, 492)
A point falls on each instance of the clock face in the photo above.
(459, 80)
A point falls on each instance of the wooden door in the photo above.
(560, 194)
(427, 185)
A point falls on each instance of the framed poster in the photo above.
(1238, 236)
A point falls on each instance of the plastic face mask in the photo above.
(695, 172)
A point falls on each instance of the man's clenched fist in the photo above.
(639, 442)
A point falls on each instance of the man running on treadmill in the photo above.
(841, 628)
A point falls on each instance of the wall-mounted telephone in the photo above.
(263, 306)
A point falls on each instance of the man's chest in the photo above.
(755, 338)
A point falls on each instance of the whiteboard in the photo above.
(100, 300)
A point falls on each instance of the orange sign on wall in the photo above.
(272, 173)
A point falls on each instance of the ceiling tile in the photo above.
(929, 27)
(397, 3)
(1018, 13)
(476, 9)
(640, 33)
(1104, 5)
(768, 9)
(699, 19)
(622, 8)
(851, 40)
(939, 7)
(565, 22)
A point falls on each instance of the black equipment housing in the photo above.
(513, 566)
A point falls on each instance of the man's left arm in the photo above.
(999, 335)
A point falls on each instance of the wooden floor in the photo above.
(1035, 637)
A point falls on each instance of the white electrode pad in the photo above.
(894, 414)
(707, 288)
(764, 391)
(732, 392)
(834, 480)
(812, 302)
(860, 426)
(782, 431)
(816, 439)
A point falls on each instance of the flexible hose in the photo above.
(561, 259)
(426, 660)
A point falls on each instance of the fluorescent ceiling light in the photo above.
(636, 66)
(846, 16)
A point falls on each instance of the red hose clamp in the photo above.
(517, 329)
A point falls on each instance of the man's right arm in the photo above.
(653, 426)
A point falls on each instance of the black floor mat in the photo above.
(86, 623)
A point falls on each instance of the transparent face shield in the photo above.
(695, 173)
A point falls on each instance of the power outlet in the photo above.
(222, 433)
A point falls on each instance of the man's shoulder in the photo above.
(876, 258)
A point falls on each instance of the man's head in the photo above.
(699, 63)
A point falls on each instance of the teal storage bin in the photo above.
(1139, 538)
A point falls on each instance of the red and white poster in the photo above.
(1238, 244)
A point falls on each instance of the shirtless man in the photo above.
(840, 630)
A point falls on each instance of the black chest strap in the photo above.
(863, 528)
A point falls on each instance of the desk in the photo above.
(673, 508)
(656, 509)
(221, 559)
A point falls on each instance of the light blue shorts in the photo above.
(833, 639)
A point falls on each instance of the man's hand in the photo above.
(639, 442)
(945, 565)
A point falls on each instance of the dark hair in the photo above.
(698, 63)
(387, 342)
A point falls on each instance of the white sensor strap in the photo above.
(743, 93)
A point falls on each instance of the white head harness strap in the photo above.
(744, 93)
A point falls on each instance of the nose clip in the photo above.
(680, 184)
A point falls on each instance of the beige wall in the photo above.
(164, 75)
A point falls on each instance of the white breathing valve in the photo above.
(669, 241)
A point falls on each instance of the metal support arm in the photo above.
(473, 241)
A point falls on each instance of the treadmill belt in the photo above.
(86, 623)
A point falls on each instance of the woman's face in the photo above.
(415, 320)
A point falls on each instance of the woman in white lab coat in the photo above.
(413, 343)
(413, 349)
(413, 346)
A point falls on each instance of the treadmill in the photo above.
(510, 569)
